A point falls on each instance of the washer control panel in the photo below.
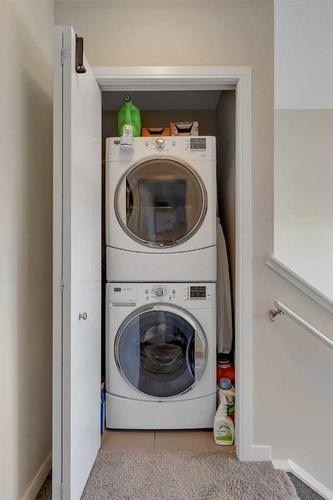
(163, 293)
(188, 295)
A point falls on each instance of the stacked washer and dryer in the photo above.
(161, 283)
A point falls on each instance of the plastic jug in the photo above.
(227, 390)
(129, 114)
(223, 425)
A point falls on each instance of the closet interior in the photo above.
(215, 112)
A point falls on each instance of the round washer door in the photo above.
(160, 202)
(161, 350)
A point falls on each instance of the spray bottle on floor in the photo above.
(223, 425)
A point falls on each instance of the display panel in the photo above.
(197, 292)
(198, 143)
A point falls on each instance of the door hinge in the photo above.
(61, 490)
(64, 55)
(61, 286)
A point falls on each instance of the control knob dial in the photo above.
(160, 143)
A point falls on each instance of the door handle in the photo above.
(83, 316)
(79, 67)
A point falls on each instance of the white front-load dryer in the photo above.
(160, 355)
(161, 209)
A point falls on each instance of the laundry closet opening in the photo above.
(215, 112)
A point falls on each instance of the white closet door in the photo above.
(77, 270)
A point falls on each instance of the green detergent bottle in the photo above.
(129, 114)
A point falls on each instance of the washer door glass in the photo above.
(160, 202)
(160, 353)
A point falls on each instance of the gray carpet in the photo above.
(303, 491)
(46, 490)
(181, 476)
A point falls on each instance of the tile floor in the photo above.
(182, 440)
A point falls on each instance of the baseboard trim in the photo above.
(254, 453)
(39, 479)
(303, 475)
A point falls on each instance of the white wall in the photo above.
(304, 194)
(303, 139)
(303, 54)
(292, 371)
(26, 241)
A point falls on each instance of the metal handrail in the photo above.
(281, 309)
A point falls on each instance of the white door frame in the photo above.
(215, 78)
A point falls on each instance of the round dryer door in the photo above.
(161, 350)
(160, 202)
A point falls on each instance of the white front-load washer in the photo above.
(161, 209)
(160, 355)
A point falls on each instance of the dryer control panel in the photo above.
(199, 145)
(197, 148)
(187, 295)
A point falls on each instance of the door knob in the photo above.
(83, 316)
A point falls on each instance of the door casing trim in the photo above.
(239, 78)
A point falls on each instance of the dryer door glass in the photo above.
(165, 202)
(160, 353)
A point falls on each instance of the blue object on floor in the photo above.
(103, 397)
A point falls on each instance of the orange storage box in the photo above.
(155, 131)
